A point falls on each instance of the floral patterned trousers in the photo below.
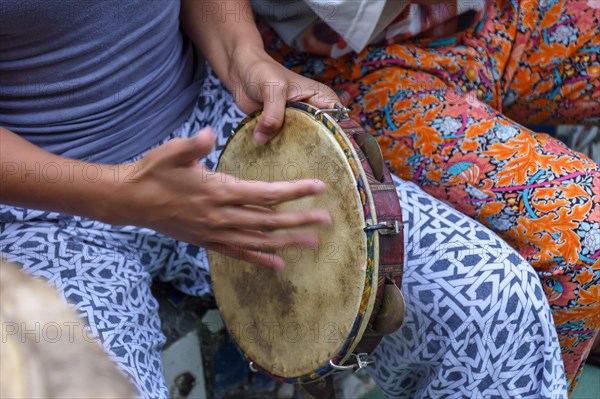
(449, 115)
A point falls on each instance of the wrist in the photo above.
(116, 193)
(240, 58)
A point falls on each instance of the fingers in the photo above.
(253, 231)
(257, 247)
(313, 92)
(256, 257)
(179, 152)
(259, 240)
(255, 218)
(323, 97)
(198, 146)
(275, 99)
(241, 241)
(267, 194)
(271, 119)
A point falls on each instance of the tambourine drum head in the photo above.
(292, 322)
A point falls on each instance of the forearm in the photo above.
(34, 178)
(224, 31)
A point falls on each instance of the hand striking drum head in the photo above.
(292, 322)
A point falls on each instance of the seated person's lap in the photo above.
(468, 294)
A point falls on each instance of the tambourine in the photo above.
(331, 305)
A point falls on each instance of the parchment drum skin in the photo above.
(46, 351)
(294, 321)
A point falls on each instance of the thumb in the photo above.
(185, 152)
(271, 119)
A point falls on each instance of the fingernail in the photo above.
(261, 138)
(208, 129)
(322, 217)
(319, 187)
(278, 264)
(312, 240)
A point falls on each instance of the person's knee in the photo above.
(501, 295)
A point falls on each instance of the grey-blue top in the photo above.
(100, 80)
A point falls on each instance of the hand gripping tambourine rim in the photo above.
(384, 238)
